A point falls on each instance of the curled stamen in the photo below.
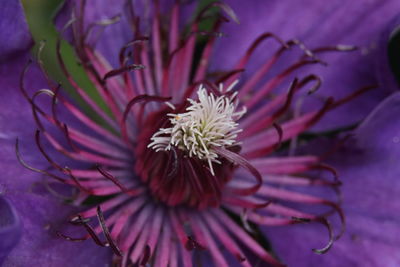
(352, 96)
(103, 23)
(245, 222)
(244, 203)
(324, 222)
(120, 71)
(71, 80)
(228, 75)
(209, 33)
(292, 88)
(136, 100)
(106, 232)
(22, 81)
(302, 46)
(68, 137)
(42, 67)
(310, 78)
(132, 43)
(58, 195)
(106, 22)
(266, 122)
(78, 220)
(54, 101)
(76, 181)
(263, 37)
(337, 48)
(54, 119)
(73, 239)
(110, 177)
(174, 163)
(46, 156)
(36, 109)
(23, 163)
(237, 159)
(329, 169)
(338, 209)
(279, 130)
(328, 246)
(271, 84)
(212, 88)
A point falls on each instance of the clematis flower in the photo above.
(182, 161)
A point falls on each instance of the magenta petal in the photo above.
(10, 228)
(370, 173)
(318, 23)
(109, 39)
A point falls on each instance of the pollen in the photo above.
(210, 121)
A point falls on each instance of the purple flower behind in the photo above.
(14, 31)
(10, 228)
(365, 24)
(165, 202)
(370, 171)
(39, 211)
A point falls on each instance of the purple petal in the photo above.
(41, 214)
(370, 173)
(13, 30)
(10, 228)
(318, 23)
(114, 36)
(382, 62)
(40, 246)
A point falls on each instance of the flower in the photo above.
(178, 211)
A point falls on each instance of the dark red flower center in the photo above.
(173, 176)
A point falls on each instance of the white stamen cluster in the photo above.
(209, 122)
